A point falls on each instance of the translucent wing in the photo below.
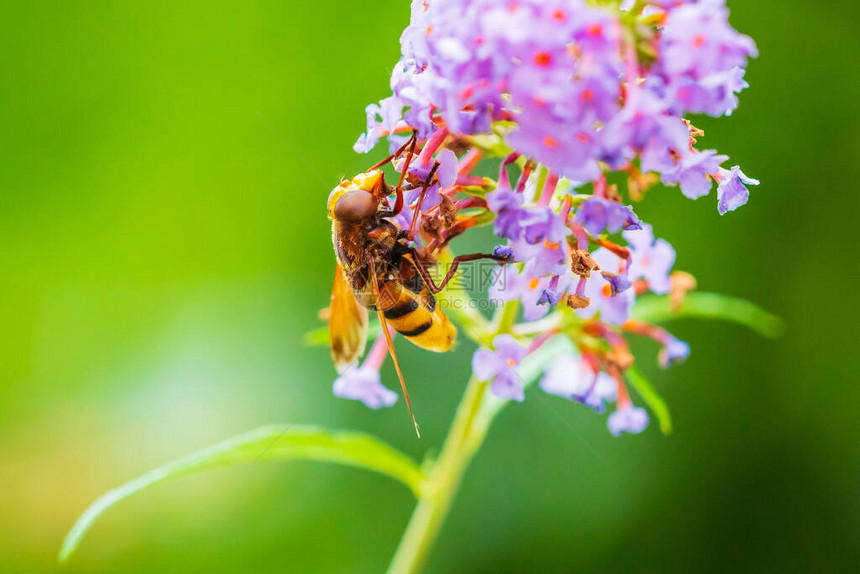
(347, 323)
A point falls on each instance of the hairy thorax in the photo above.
(375, 242)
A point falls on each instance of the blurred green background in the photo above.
(164, 246)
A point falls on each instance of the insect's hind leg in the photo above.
(455, 264)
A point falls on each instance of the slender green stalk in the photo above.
(465, 437)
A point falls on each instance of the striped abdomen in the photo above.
(411, 310)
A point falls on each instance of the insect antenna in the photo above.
(384, 324)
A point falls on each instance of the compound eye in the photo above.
(355, 206)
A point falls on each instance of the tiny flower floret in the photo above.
(598, 215)
(732, 191)
(364, 385)
(571, 378)
(673, 351)
(499, 366)
(650, 260)
(628, 419)
(612, 308)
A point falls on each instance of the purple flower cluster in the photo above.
(702, 59)
(575, 94)
(570, 77)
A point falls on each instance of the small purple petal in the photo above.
(507, 205)
(732, 191)
(617, 283)
(366, 386)
(693, 171)
(448, 163)
(549, 297)
(569, 377)
(499, 366)
(509, 349)
(597, 214)
(486, 364)
(547, 258)
(650, 260)
(508, 386)
(628, 419)
(674, 351)
(614, 310)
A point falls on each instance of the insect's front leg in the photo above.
(410, 144)
(416, 213)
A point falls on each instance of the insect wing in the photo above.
(347, 323)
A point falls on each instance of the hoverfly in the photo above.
(379, 268)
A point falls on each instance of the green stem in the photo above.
(473, 418)
(465, 437)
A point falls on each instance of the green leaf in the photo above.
(275, 442)
(654, 401)
(654, 309)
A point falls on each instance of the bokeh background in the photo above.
(163, 242)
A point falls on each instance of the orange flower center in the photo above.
(543, 59)
(606, 291)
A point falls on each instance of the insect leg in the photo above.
(428, 280)
(398, 204)
(416, 214)
(382, 321)
(409, 143)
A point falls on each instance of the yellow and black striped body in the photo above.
(411, 309)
